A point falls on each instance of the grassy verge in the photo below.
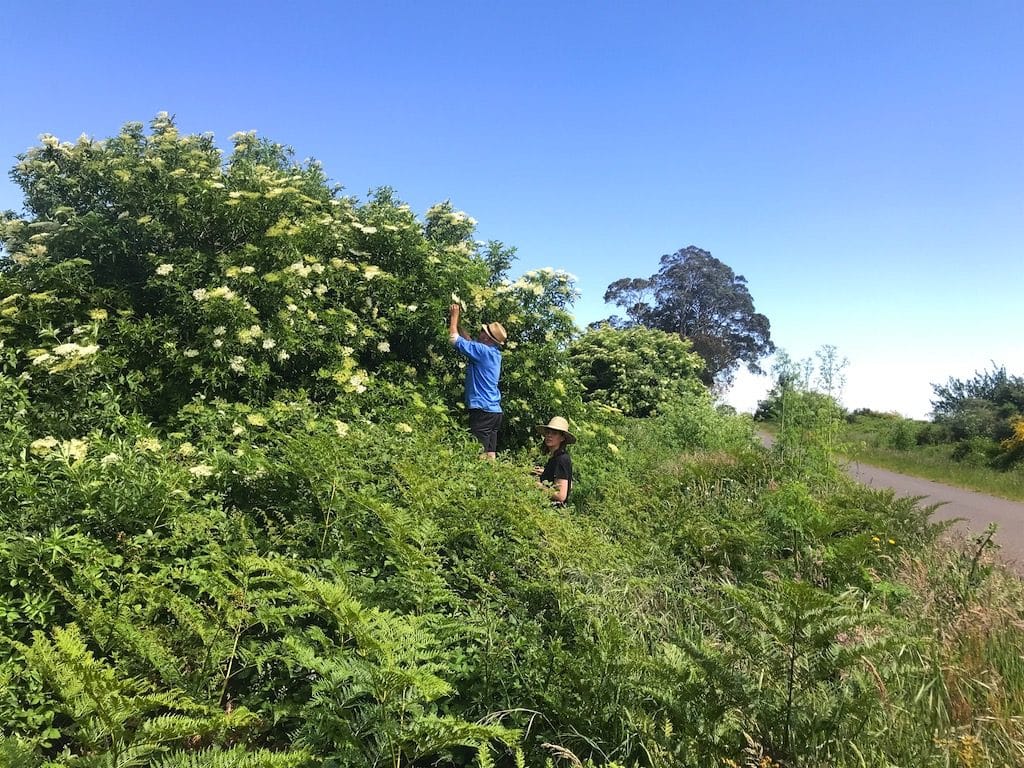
(932, 464)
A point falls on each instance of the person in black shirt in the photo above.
(556, 474)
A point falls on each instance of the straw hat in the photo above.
(496, 331)
(561, 425)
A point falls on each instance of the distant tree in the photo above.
(703, 300)
(983, 406)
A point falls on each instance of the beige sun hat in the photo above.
(561, 425)
(496, 331)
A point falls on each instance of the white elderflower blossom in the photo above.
(341, 428)
(218, 343)
(403, 427)
(384, 347)
(248, 269)
(412, 307)
(74, 449)
(269, 343)
(220, 330)
(74, 350)
(222, 292)
(282, 355)
(199, 294)
(371, 272)
(201, 470)
(43, 445)
(238, 364)
(191, 353)
(150, 444)
(110, 459)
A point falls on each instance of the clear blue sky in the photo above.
(860, 163)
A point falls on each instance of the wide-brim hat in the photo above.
(561, 425)
(496, 331)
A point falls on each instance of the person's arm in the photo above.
(454, 331)
(559, 491)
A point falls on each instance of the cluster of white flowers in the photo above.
(43, 445)
(164, 269)
(237, 364)
(357, 382)
(149, 444)
(524, 283)
(68, 351)
(250, 334)
(74, 449)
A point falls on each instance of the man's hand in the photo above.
(537, 471)
(453, 322)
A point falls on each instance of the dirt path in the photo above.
(977, 510)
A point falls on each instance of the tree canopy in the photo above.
(703, 300)
(983, 406)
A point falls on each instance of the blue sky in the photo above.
(861, 164)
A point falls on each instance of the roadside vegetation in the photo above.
(975, 439)
(903, 445)
(241, 523)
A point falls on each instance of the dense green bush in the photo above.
(635, 370)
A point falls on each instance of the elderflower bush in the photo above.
(155, 270)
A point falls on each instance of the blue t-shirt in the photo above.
(482, 372)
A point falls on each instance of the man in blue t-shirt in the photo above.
(483, 368)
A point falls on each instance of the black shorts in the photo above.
(485, 425)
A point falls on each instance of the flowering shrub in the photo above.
(150, 263)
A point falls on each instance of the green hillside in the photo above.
(243, 524)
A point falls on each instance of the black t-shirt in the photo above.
(558, 467)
